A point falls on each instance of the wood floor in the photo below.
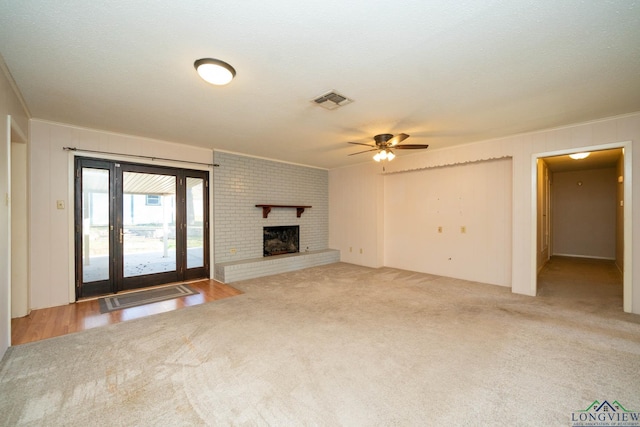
(56, 321)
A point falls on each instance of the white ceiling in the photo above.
(445, 72)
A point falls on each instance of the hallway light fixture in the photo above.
(579, 156)
(214, 71)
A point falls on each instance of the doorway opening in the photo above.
(138, 226)
(582, 209)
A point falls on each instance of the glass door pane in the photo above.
(95, 224)
(138, 225)
(195, 222)
(148, 232)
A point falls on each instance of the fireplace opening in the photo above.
(280, 240)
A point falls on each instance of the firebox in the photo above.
(283, 239)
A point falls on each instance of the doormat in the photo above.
(134, 299)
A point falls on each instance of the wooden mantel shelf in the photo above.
(267, 208)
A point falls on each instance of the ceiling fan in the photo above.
(386, 143)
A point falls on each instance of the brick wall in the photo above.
(242, 182)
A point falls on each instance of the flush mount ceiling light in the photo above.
(214, 71)
(579, 156)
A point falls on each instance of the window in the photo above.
(153, 200)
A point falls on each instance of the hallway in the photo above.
(586, 282)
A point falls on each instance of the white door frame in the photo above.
(628, 265)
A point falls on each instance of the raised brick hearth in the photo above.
(228, 272)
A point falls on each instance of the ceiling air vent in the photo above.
(332, 100)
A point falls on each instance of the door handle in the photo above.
(121, 235)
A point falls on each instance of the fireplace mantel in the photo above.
(267, 208)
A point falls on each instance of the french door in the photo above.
(138, 226)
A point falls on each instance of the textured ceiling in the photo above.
(444, 72)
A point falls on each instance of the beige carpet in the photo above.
(338, 345)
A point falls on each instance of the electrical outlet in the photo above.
(60, 204)
(233, 251)
(440, 229)
(463, 229)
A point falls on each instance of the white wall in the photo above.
(51, 179)
(5, 229)
(426, 210)
(19, 231)
(584, 213)
(12, 112)
(523, 149)
(356, 216)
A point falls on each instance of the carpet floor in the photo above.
(336, 345)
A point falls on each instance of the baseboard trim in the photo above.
(585, 256)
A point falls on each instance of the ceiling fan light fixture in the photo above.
(384, 155)
(384, 145)
(579, 156)
(214, 71)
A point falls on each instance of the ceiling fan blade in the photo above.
(360, 152)
(397, 139)
(411, 147)
(361, 143)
